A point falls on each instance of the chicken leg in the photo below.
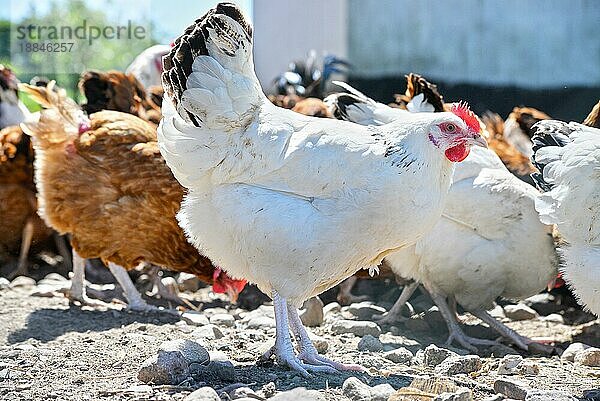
(455, 332)
(395, 313)
(308, 352)
(160, 289)
(345, 296)
(63, 250)
(26, 237)
(309, 360)
(517, 339)
(78, 291)
(135, 301)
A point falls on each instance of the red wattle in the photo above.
(457, 153)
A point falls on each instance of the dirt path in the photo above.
(51, 350)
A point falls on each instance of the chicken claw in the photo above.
(308, 352)
(394, 315)
(308, 360)
(78, 293)
(345, 296)
(455, 332)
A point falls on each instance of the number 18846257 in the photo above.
(50, 47)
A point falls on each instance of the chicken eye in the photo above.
(450, 127)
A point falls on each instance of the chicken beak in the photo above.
(551, 284)
(478, 140)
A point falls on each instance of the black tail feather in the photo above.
(191, 44)
(339, 107)
(547, 133)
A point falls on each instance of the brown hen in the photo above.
(515, 161)
(593, 119)
(104, 181)
(21, 226)
(115, 90)
(517, 127)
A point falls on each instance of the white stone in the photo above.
(222, 319)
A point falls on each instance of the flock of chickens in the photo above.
(212, 178)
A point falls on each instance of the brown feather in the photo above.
(516, 162)
(110, 188)
(593, 119)
(17, 190)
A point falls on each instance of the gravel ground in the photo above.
(52, 350)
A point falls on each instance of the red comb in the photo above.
(463, 111)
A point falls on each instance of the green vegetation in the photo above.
(65, 67)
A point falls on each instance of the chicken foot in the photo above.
(135, 302)
(160, 289)
(345, 296)
(308, 352)
(78, 292)
(284, 349)
(395, 313)
(455, 332)
(26, 238)
(517, 339)
(63, 250)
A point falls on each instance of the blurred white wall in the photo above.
(287, 30)
(529, 43)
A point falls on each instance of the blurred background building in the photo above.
(545, 53)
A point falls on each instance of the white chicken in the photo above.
(489, 242)
(147, 66)
(293, 203)
(568, 157)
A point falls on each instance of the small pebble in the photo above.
(510, 389)
(243, 392)
(399, 355)
(203, 394)
(433, 355)
(370, 343)
(588, 357)
(191, 350)
(519, 312)
(208, 332)
(195, 318)
(4, 283)
(508, 364)
(188, 282)
(168, 367)
(261, 322)
(269, 389)
(356, 327)
(22, 281)
(298, 394)
(332, 307)
(311, 313)
(171, 285)
(381, 392)
(222, 319)
(554, 318)
(365, 310)
(572, 350)
(459, 364)
(320, 343)
(463, 394)
(356, 390)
